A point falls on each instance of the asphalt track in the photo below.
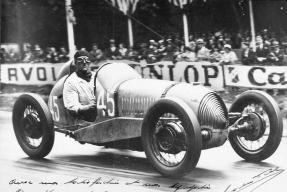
(72, 167)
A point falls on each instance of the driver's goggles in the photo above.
(83, 59)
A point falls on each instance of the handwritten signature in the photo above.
(258, 180)
(178, 186)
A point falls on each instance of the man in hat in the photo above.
(228, 57)
(276, 55)
(78, 93)
(202, 52)
(112, 53)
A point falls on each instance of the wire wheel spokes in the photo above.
(31, 127)
(254, 145)
(169, 140)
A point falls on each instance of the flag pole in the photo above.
(70, 28)
(131, 41)
(252, 26)
(185, 26)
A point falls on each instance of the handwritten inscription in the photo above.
(258, 180)
(178, 186)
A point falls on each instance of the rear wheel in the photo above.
(33, 125)
(171, 137)
(264, 116)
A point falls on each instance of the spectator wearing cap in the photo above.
(39, 54)
(276, 55)
(112, 52)
(155, 55)
(202, 53)
(228, 57)
(78, 93)
(96, 54)
(247, 55)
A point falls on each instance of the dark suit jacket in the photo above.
(262, 52)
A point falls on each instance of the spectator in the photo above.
(53, 55)
(112, 53)
(202, 51)
(169, 55)
(14, 56)
(63, 55)
(276, 56)
(188, 55)
(154, 55)
(123, 51)
(228, 57)
(143, 52)
(28, 56)
(132, 54)
(192, 46)
(39, 55)
(96, 54)
(3, 55)
(247, 55)
(283, 41)
(262, 50)
(215, 55)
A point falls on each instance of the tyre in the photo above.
(261, 142)
(171, 137)
(33, 125)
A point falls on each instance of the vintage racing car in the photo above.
(170, 121)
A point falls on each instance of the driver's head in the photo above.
(82, 61)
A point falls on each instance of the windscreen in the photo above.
(111, 74)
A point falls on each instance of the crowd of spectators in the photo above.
(36, 55)
(213, 47)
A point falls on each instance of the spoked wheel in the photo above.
(33, 125)
(264, 117)
(171, 137)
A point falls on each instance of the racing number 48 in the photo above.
(106, 103)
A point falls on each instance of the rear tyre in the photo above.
(171, 137)
(33, 125)
(265, 109)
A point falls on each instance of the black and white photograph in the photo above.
(143, 95)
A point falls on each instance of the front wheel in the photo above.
(33, 125)
(265, 117)
(171, 137)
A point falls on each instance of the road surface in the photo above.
(72, 167)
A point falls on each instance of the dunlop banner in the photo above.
(208, 74)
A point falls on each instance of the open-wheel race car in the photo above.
(170, 121)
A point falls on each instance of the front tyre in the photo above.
(33, 125)
(171, 137)
(267, 122)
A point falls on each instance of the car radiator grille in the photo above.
(212, 113)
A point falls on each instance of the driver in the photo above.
(78, 93)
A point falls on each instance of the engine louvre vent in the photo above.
(212, 112)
